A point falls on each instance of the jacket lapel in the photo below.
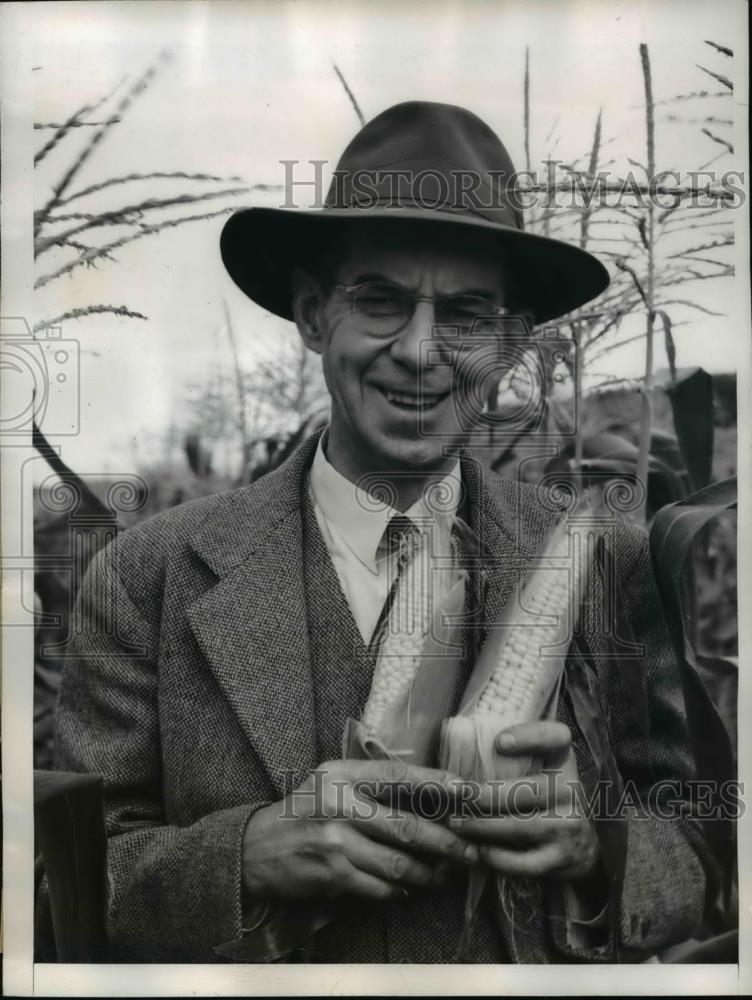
(342, 666)
(252, 625)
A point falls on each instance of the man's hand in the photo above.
(335, 835)
(535, 827)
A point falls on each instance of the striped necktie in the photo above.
(400, 544)
(405, 618)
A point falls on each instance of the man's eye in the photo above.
(380, 303)
(464, 311)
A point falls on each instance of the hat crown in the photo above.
(437, 168)
(427, 155)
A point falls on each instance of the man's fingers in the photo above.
(535, 863)
(411, 833)
(385, 776)
(525, 830)
(494, 798)
(386, 862)
(545, 738)
(540, 792)
(367, 886)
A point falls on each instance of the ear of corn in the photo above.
(418, 657)
(400, 649)
(517, 674)
(406, 723)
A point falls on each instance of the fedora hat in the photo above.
(429, 165)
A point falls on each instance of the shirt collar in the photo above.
(360, 518)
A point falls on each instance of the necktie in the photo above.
(404, 620)
(400, 543)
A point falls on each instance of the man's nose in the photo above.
(411, 347)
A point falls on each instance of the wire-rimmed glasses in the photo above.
(386, 309)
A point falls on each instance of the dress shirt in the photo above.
(353, 522)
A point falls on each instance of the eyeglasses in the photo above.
(387, 309)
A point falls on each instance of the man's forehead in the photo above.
(409, 258)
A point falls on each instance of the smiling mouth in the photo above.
(411, 403)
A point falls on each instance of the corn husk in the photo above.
(532, 639)
(410, 727)
(426, 668)
(467, 744)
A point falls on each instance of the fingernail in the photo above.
(471, 854)
(404, 892)
(506, 741)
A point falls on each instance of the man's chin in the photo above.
(424, 455)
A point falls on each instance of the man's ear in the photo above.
(308, 307)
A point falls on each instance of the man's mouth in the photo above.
(412, 403)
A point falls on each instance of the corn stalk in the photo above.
(581, 329)
(652, 250)
(350, 96)
(134, 219)
(245, 440)
(526, 107)
(647, 387)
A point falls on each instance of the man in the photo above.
(225, 644)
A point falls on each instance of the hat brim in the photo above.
(261, 247)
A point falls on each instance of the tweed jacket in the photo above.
(196, 695)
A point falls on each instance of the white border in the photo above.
(383, 980)
(741, 314)
(22, 978)
(16, 206)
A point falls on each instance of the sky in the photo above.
(250, 84)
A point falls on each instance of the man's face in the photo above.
(396, 402)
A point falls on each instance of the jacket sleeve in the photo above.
(661, 867)
(174, 893)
